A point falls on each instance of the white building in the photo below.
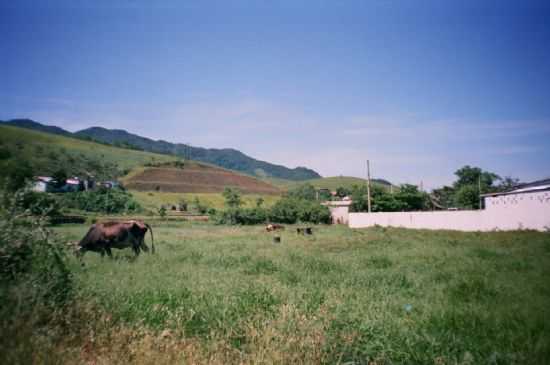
(339, 210)
(525, 207)
(42, 184)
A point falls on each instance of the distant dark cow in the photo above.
(273, 227)
(305, 230)
(101, 237)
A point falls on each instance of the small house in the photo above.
(43, 184)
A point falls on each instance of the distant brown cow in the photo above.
(101, 237)
(273, 227)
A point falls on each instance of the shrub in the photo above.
(304, 191)
(16, 173)
(232, 198)
(291, 210)
(255, 215)
(284, 211)
(38, 204)
(199, 207)
(103, 200)
(30, 258)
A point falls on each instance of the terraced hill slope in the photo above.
(195, 177)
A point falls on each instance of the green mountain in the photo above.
(227, 158)
(47, 152)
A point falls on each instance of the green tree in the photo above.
(342, 191)
(359, 198)
(470, 183)
(411, 198)
(304, 191)
(16, 173)
(232, 198)
(467, 197)
(259, 202)
(60, 177)
(468, 175)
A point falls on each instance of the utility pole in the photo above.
(368, 185)
(479, 189)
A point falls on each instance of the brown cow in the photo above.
(273, 227)
(101, 237)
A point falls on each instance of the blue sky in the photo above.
(420, 88)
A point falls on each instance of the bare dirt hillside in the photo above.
(197, 178)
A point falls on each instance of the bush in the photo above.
(232, 198)
(199, 207)
(37, 204)
(32, 261)
(241, 216)
(284, 211)
(103, 200)
(304, 191)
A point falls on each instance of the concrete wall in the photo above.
(505, 212)
(340, 215)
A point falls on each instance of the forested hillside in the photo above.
(227, 158)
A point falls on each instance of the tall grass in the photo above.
(217, 294)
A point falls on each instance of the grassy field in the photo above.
(153, 200)
(218, 294)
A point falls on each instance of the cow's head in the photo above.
(138, 228)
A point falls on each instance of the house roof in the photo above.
(539, 185)
(44, 178)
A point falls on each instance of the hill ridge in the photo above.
(229, 158)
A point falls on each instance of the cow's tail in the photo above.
(152, 240)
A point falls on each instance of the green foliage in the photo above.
(31, 259)
(16, 173)
(286, 210)
(60, 177)
(303, 191)
(37, 204)
(467, 197)
(342, 191)
(162, 211)
(406, 198)
(259, 202)
(200, 207)
(103, 200)
(182, 205)
(291, 210)
(243, 216)
(411, 198)
(232, 197)
(468, 175)
(46, 153)
(471, 182)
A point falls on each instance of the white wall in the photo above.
(340, 214)
(505, 212)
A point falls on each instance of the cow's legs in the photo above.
(142, 245)
(109, 253)
(135, 247)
